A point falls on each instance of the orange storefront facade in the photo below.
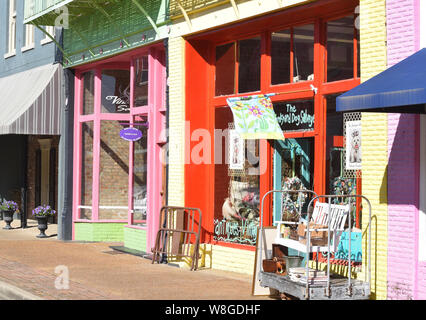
(305, 57)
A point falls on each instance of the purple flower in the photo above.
(9, 206)
(43, 211)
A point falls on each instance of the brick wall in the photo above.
(135, 239)
(113, 171)
(403, 163)
(221, 258)
(402, 31)
(99, 232)
(230, 259)
(374, 143)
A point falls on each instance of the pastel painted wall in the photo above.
(176, 122)
(135, 239)
(421, 268)
(99, 232)
(422, 18)
(374, 144)
(403, 168)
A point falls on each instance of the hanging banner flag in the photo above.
(254, 118)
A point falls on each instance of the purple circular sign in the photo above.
(131, 134)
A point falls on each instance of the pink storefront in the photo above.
(406, 172)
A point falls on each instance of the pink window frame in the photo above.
(155, 110)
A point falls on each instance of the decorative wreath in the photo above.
(343, 186)
(292, 201)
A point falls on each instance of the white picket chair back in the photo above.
(336, 218)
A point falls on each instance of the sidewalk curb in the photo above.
(15, 293)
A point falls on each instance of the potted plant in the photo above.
(8, 209)
(42, 214)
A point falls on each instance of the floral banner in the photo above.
(254, 118)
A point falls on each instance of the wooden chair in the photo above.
(330, 217)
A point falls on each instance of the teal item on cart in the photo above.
(356, 247)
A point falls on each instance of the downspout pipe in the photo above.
(66, 152)
(65, 218)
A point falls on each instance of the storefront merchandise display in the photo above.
(293, 202)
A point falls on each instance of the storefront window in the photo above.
(334, 148)
(249, 65)
(140, 154)
(300, 42)
(86, 170)
(340, 49)
(115, 91)
(280, 56)
(303, 49)
(141, 82)
(88, 93)
(225, 69)
(237, 180)
(113, 172)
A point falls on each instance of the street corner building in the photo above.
(222, 109)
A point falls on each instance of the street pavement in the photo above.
(95, 271)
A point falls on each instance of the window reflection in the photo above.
(115, 91)
(300, 42)
(86, 170)
(236, 190)
(88, 93)
(249, 65)
(303, 48)
(113, 172)
(140, 169)
(280, 57)
(340, 49)
(141, 81)
(225, 69)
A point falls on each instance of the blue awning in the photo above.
(401, 87)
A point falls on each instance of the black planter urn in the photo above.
(8, 218)
(42, 226)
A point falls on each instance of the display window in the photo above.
(292, 54)
(342, 47)
(303, 59)
(118, 176)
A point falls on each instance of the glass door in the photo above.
(293, 168)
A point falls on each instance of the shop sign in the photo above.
(121, 104)
(295, 116)
(241, 232)
(131, 134)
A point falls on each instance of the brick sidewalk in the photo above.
(42, 284)
(96, 272)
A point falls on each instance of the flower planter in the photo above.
(8, 218)
(42, 226)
